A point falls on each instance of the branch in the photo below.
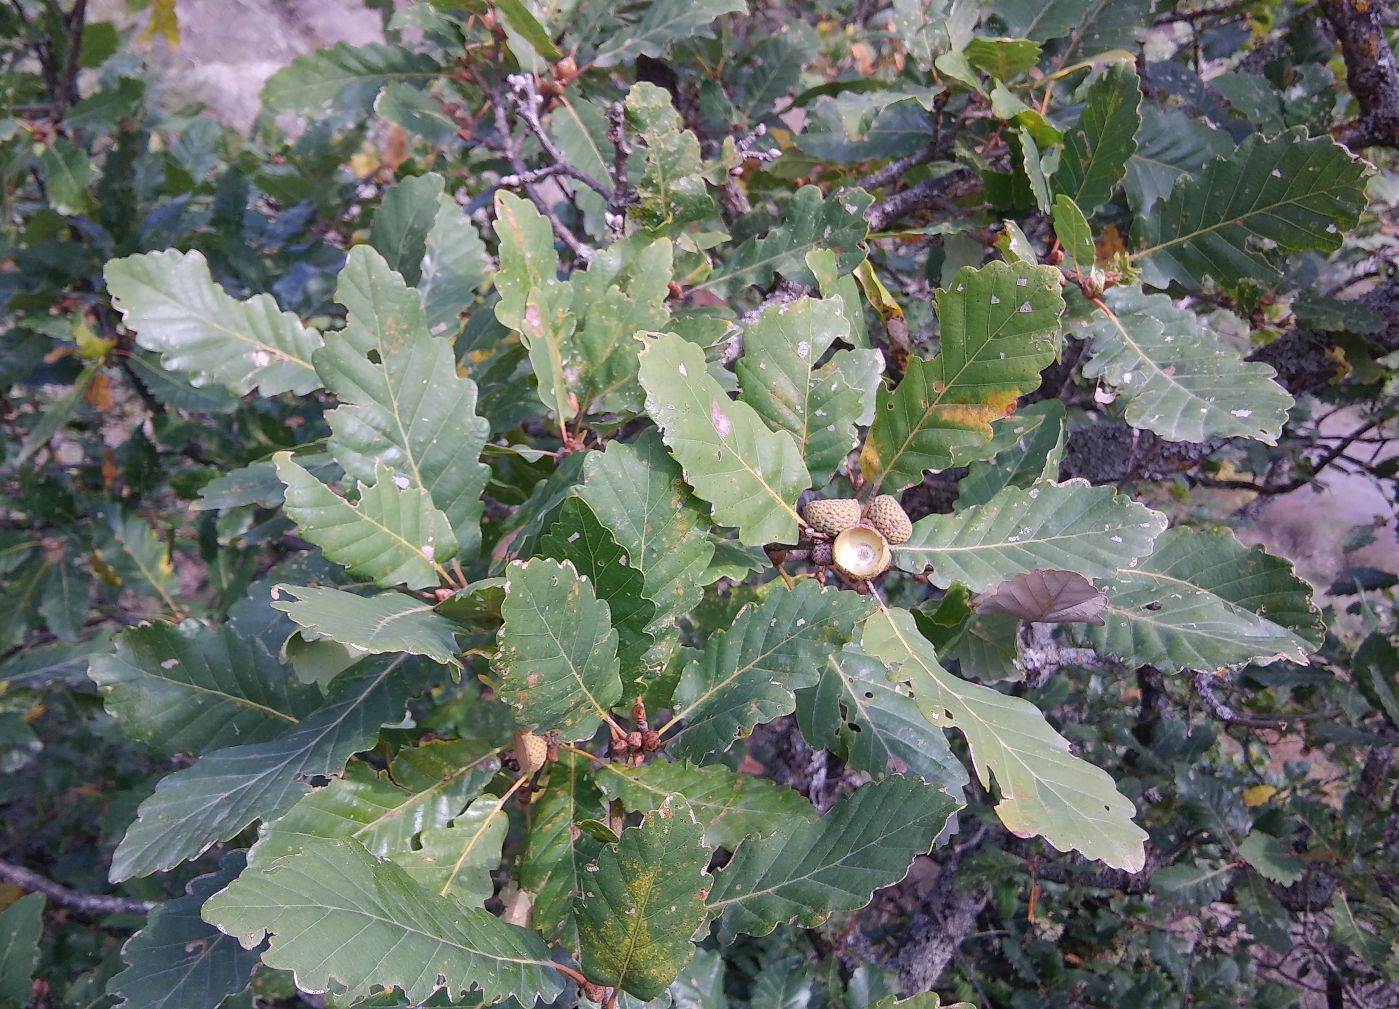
(1204, 686)
(87, 903)
(511, 149)
(923, 196)
(1371, 73)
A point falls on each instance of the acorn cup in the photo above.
(531, 751)
(861, 553)
(889, 517)
(831, 515)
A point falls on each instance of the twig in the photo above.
(622, 194)
(510, 147)
(923, 196)
(1204, 686)
(527, 101)
(87, 903)
(894, 169)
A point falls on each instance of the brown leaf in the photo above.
(1047, 596)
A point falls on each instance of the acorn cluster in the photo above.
(851, 540)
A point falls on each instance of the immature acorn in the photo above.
(860, 553)
(531, 751)
(832, 515)
(822, 555)
(889, 517)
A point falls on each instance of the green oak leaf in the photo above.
(171, 301)
(1044, 788)
(177, 959)
(812, 868)
(387, 622)
(424, 787)
(998, 333)
(457, 860)
(534, 302)
(781, 380)
(748, 672)
(671, 192)
(1097, 147)
(1073, 526)
(377, 907)
(1292, 192)
(579, 538)
(1177, 378)
(557, 652)
(555, 851)
(730, 805)
(405, 406)
(642, 901)
(875, 725)
(392, 534)
(750, 474)
(637, 492)
(1203, 600)
(225, 790)
(191, 689)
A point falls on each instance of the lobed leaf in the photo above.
(533, 301)
(1174, 376)
(177, 960)
(1292, 192)
(387, 622)
(751, 475)
(171, 301)
(405, 406)
(1044, 788)
(998, 333)
(557, 651)
(190, 689)
(811, 222)
(781, 380)
(671, 192)
(226, 790)
(748, 673)
(1203, 600)
(343, 79)
(555, 851)
(810, 869)
(1073, 526)
(874, 724)
(342, 920)
(424, 787)
(641, 902)
(1097, 148)
(731, 805)
(393, 534)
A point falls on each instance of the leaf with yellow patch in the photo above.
(998, 333)
(642, 901)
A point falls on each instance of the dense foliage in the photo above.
(413, 593)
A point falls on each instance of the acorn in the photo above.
(531, 751)
(861, 553)
(889, 517)
(821, 555)
(832, 515)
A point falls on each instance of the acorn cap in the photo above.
(531, 751)
(861, 553)
(889, 517)
(831, 515)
